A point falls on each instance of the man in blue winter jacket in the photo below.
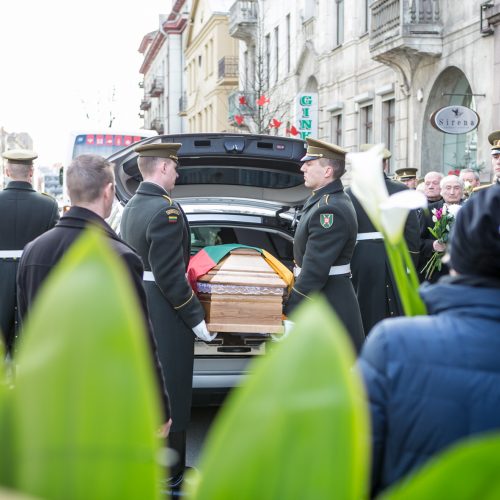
(433, 380)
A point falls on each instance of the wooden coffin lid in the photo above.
(243, 267)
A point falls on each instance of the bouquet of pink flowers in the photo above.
(443, 219)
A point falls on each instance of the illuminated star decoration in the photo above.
(243, 100)
(292, 130)
(239, 119)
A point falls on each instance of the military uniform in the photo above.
(156, 226)
(371, 272)
(24, 215)
(322, 248)
(494, 140)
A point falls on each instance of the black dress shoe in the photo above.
(173, 486)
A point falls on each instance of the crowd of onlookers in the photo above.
(435, 380)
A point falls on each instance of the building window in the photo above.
(336, 129)
(389, 124)
(366, 125)
(211, 56)
(245, 69)
(367, 15)
(340, 21)
(268, 58)
(276, 52)
(288, 44)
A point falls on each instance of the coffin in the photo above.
(242, 294)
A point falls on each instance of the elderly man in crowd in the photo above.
(451, 193)
(432, 189)
(433, 380)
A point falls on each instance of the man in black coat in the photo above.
(157, 227)
(90, 181)
(24, 215)
(325, 238)
(371, 272)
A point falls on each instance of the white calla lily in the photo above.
(394, 212)
(387, 213)
(368, 181)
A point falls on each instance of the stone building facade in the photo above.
(347, 71)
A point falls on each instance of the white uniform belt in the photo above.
(10, 254)
(148, 276)
(370, 236)
(334, 270)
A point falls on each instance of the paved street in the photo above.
(201, 420)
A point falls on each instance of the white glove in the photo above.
(288, 326)
(201, 331)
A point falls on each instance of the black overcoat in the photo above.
(24, 215)
(371, 273)
(41, 255)
(155, 225)
(325, 237)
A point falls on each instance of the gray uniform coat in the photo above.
(155, 225)
(24, 215)
(325, 237)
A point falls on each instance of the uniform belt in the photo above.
(10, 254)
(370, 236)
(148, 276)
(334, 270)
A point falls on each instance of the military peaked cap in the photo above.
(494, 140)
(365, 147)
(319, 149)
(20, 156)
(159, 150)
(406, 173)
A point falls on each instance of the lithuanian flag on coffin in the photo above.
(210, 256)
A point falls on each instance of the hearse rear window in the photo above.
(239, 176)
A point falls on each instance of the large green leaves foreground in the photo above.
(81, 420)
(298, 428)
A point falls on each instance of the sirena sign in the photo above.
(455, 119)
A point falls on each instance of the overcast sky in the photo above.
(62, 60)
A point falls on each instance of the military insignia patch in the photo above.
(173, 215)
(326, 220)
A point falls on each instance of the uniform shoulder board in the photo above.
(47, 194)
(480, 188)
(170, 202)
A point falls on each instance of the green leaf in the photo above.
(466, 471)
(86, 403)
(298, 427)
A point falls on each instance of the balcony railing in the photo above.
(157, 124)
(156, 89)
(228, 67)
(243, 19)
(413, 25)
(145, 104)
